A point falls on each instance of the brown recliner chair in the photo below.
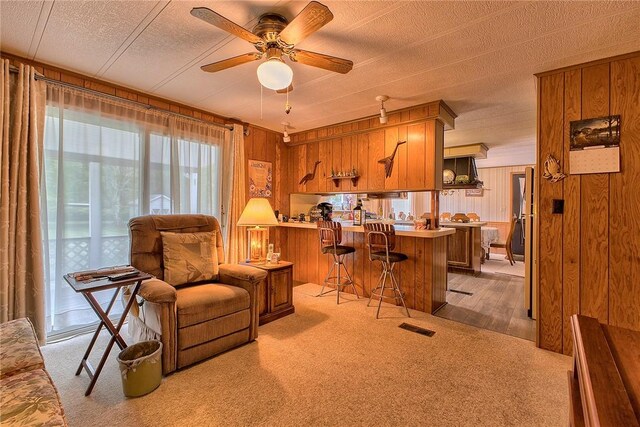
(195, 321)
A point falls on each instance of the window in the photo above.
(106, 162)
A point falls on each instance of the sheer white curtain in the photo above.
(106, 161)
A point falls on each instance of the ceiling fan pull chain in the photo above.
(287, 106)
(261, 90)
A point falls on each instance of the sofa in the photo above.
(28, 396)
(194, 321)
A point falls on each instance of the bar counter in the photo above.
(401, 230)
(423, 277)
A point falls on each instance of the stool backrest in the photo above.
(330, 233)
(377, 241)
(473, 216)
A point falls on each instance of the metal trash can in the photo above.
(141, 368)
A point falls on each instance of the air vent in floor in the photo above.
(417, 329)
(461, 292)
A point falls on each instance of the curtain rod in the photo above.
(39, 76)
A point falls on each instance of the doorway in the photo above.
(500, 297)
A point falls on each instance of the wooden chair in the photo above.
(474, 217)
(507, 244)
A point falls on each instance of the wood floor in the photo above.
(496, 303)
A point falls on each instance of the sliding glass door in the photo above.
(103, 164)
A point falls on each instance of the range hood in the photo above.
(465, 173)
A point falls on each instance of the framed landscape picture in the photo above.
(594, 145)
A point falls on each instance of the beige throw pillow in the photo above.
(189, 257)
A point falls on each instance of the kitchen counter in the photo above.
(422, 277)
(401, 230)
(463, 224)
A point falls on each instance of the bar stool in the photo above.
(330, 233)
(381, 240)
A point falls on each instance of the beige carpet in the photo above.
(336, 365)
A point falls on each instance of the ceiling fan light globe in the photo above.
(275, 74)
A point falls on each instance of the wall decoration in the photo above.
(310, 176)
(448, 176)
(552, 169)
(474, 192)
(595, 145)
(260, 179)
(388, 161)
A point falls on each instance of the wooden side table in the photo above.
(275, 295)
(87, 289)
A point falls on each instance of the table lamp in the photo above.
(257, 215)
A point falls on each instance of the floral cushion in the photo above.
(30, 399)
(189, 257)
(19, 351)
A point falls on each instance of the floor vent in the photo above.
(461, 292)
(417, 329)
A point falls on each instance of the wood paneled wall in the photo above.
(267, 146)
(589, 257)
(361, 143)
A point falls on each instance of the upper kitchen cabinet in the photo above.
(403, 154)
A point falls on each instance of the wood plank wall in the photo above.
(267, 146)
(361, 143)
(589, 257)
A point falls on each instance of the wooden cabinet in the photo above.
(464, 251)
(275, 294)
(360, 144)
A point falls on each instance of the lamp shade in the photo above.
(258, 212)
(275, 74)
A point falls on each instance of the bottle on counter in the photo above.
(358, 214)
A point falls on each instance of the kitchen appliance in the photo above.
(326, 210)
(315, 213)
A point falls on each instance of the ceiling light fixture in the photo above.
(286, 138)
(383, 113)
(274, 73)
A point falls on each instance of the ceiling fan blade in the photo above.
(331, 63)
(230, 62)
(286, 89)
(313, 17)
(215, 19)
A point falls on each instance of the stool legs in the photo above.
(338, 263)
(387, 272)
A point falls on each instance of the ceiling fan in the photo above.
(275, 38)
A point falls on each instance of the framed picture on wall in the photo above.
(595, 145)
(260, 179)
(474, 192)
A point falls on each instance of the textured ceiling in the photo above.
(477, 56)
